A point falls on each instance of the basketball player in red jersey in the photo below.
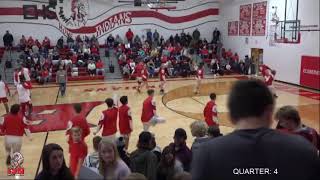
(210, 112)
(4, 89)
(199, 77)
(23, 89)
(144, 77)
(108, 120)
(125, 120)
(149, 112)
(79, 120)
(14, 125)
(138, 70)
(268, 79)
(162, 76)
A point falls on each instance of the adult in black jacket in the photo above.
(254, 150)
(7, 40)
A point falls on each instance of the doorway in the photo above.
(257, 59)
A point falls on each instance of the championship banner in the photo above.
(233, 28)
(245, 20)
(310, 72)
(259, 15)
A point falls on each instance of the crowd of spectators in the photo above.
(43, 59)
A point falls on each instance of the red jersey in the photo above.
(124, 119)
(14, 125)
(147, 109)
(200, 73)
(77, 151)
(109, 121)
(99, 65)
(139, 70)
(162, 74)
(144, 74)
(263, 69)
(268, 79)
(81, 122)
(210, 113)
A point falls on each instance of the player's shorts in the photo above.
(139, 79)
(26, 103)
(3, 100)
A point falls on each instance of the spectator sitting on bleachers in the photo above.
(137, 40)
(46, 44)
(22, 43)
(118, 40)
(91, 68)
(94, 41)
(60, 43)
(30, 42)
(94, 50)
(99, 66)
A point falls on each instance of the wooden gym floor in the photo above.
(179, 106)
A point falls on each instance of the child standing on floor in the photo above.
(78, 151)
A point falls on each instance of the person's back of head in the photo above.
(124, 100)
(77, 108)
(251, 100)
(145, 139)
(213, 96)
(214, 131)
(150, 92)
(288, 117)
(15, 109)
(109, 102)
(198, 128)
(96, 141)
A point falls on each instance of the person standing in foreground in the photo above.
(125, 120)
(24, 96)
(254, 150)
(4, 89)
(14, 125)
(108, 120)
(149, 112)
(210, 112)
(61, 79)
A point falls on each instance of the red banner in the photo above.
(310, 72)
(233, 28)
(245, 20)
(259, 15)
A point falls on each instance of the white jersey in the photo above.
(23, 94)
(26, 73)
(3, 90)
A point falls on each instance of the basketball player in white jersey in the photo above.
(4, 89)
(23, 89)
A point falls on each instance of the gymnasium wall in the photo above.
(284, 58)
(102, 17)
